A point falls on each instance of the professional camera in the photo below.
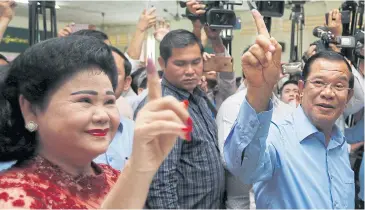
(216, 17)
(326, 37)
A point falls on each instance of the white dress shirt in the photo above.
(238, 196)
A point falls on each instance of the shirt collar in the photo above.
(183, 93)
(337, 137)
(302, 124)
(304, 128)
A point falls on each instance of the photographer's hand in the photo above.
(66, 31)
(146, 21)
(195, 7)
(214, 36)
(7, 13)
(311, 51)
(161, 29)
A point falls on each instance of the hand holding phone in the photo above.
(335, 19)
(78, 27)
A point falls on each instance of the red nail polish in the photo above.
(187, 129)
(189, 122)
(188, 137)
(186, 103)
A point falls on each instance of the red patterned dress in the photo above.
(39, 184)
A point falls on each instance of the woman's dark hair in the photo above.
(93, 33)
(2, 57)
(328, 55)
(178, 39)
(36, 74)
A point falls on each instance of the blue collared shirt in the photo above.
(288, 161)
(120, 148)
(118, 152)
(354, 135)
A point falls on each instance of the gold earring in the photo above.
(31, 126)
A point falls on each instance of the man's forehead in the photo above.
(290, 86)
(330, 74)
(329, 67)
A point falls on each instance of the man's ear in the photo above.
(127, 83)
(300, 86)
(162, 63)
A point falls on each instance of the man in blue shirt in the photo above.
(299, 161)
(354, 135)
(120, 148)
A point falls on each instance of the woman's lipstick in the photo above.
(98, 132)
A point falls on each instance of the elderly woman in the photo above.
(58, 112)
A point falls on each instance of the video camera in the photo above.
(326, 37)
(216, 17)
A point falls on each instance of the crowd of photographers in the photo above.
(268, 139)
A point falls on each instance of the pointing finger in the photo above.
(260, 24)
(153, 81)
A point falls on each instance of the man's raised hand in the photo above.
(261, 65)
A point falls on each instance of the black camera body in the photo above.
(216, 17)
(326, 37)
(271, 8)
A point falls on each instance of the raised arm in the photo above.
(6, 15)
(146, 21)
(157, 127)
(246, 151)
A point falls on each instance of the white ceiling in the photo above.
(116, 12)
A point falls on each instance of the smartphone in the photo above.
(219, 64)
(345, 17)
(79, 27)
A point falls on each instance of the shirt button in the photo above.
(331, 177)
(252, 124)
(335, 204)
(245, 158)
(110, 159)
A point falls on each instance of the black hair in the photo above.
(143, 83)
(178, 39)
(127, 64)
(160, 74)
(93, 33)
(36, 74)
(328, 55)
(4, 58)
(136, 76)
(294, 82)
